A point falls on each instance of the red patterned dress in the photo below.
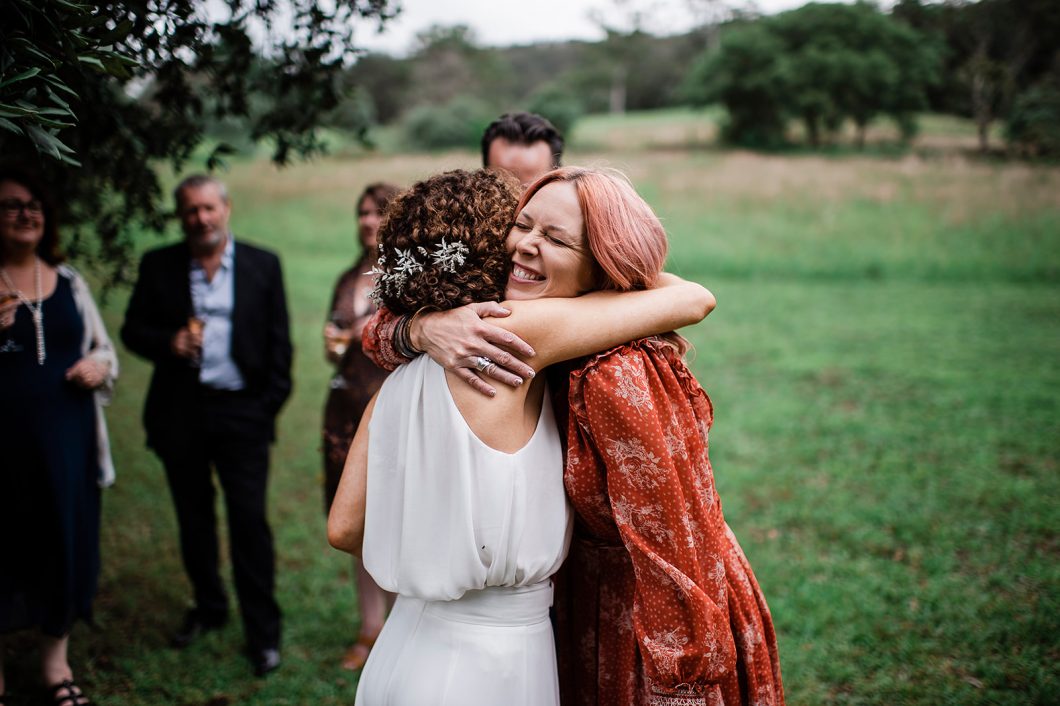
(659, 604)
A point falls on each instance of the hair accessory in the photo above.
(391, 279)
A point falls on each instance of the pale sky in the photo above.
(504, 23)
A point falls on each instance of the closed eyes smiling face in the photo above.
(550, 256)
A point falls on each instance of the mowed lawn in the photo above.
(884, 367)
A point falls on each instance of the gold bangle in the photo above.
(408, 327)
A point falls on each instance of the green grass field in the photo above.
(884, 366)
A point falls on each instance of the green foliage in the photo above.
(449, 63)
(124, 87)
(851, 61)
(821, 63)
(560, 106)
(995, 49)
(1034, 123)
(34, 95)
(458, 123)
(382, 80)
(751, 78)
(566, 78)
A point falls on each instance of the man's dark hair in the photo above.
(523, 129)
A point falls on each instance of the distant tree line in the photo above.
(102, 95)
(450, 87)
(822, 65)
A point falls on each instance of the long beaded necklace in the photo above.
(35, 310)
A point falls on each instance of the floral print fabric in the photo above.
(658, 603)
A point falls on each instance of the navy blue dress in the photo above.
(49, 497)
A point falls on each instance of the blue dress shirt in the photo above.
(213, 302)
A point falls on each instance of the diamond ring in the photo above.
(482, 362)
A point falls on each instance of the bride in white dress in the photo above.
(458, 497)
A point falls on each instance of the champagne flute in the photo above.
(6, 296)
(195, 328)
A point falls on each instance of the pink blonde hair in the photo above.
(624, 235)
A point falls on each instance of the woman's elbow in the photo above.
(343, 536)
(699, 303)
(707, 302)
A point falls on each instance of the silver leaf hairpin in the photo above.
(448, 257)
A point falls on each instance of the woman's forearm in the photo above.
(560, 329)
(346, 519)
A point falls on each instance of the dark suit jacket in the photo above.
(261, 345)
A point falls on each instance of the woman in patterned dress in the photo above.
(658, 604)
(355, 380)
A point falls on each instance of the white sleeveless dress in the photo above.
(467, 536)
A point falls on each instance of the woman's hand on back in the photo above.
(458, 339)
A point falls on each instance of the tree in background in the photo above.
(750, 76)
(385, 81)
(852, 62)
(1034, 123)
(996, 49)
(821, 63)
(101, 95)
(448, 62)
(455, 88)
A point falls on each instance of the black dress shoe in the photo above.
(265, 661)
(194, 626)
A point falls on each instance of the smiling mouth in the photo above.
(524, 274)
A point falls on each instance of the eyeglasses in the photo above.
(13, 207)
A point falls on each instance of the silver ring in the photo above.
(482, 362)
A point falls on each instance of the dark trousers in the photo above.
(223, 436)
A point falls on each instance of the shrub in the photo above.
(560, 107)
(458, 123)
(1034, 123)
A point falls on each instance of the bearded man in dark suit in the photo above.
(211, 314)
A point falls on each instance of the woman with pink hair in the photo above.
(657, 603)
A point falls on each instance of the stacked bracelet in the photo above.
(402, 346)
(403, 334)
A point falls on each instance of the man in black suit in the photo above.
(211, 314)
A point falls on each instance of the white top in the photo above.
(445, 513)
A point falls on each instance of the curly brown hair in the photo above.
(474, 209)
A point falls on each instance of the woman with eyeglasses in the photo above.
(57, 369)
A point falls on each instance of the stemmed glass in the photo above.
(8, 344)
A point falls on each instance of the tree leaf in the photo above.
(8, 125)
(58, 84)
(28, 73)
(45, 142)
(14, 111)
(92, 61)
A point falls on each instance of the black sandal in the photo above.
(72, 697)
